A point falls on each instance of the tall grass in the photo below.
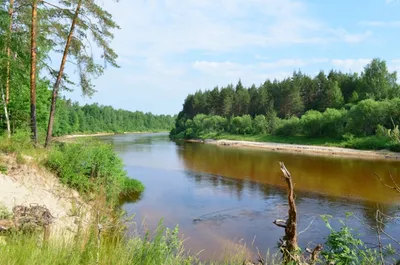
(164, 247)
(86, 165)
(90, 165)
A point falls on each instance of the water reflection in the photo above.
(221, 195)
(348, 178)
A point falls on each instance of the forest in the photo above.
(39, 41)
(335, 106)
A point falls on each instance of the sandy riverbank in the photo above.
(28, 184)
(307, 149)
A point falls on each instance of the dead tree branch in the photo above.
(396, 187)
(291, 223)
(378, 218)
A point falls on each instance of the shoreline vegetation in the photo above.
(300, 149)
(94, 171)
(348, 110)
(79, 135)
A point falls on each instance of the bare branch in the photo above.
(280, 223)
(315, 254)
(308, 227)
(395, 187)
(378, 218)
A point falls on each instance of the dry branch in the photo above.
(291, 223)
(396, 187)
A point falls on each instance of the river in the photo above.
(235, 193)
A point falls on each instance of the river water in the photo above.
(227, 198)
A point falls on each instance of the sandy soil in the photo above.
(309, 149)
(28, 184)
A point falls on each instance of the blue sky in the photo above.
(169, 48)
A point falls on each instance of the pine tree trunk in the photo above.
(10, 12)
(33, 71)
(6, 113)
(60, 74)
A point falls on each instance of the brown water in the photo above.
(237, 193)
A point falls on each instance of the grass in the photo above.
(87, 165)
(361, 143)
(164, 247)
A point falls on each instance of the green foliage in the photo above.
(343, 247)
(162, 247)
(241, 125)
(364, 126)
(3, 168)
(4, 212)
(323, 106)
(260, 125)
(72, 118)
(19, 142)
(311, 123)
(289, 127)
(91, 166)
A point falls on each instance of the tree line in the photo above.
(333, 105)
(73, 118)
(31, 32)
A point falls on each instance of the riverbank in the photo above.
(26, 184)
(306, 149)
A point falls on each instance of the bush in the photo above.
(312, 123)
(241, 125)
(91, 166)
(260, 125)
(369, 143)
(290, 127)
(4, 212)
(272, 121)
(214, 124)
(18, 142)
(364, 117)
(333, 122)
(343, 247)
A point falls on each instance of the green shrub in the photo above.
(272, 121)
(290, 127)
(18, 142)
(343, 247)
(90, 166)
(260, 125)
(333, 122)
(368, 143)
(364, 117)
(3, 168)
(312, 123)
(4, 212)
(241, 125)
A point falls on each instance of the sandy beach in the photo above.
(307, 149)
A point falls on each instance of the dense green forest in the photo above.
(72, 118)
(31, 32)
(337, 105)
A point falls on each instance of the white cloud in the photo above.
(353, 65)
(163, 28)
(227, 72)
(172, 47)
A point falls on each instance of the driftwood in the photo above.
(289, 243)
(29, 219)
(32, 217)
(6, 225)
(314, 254)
